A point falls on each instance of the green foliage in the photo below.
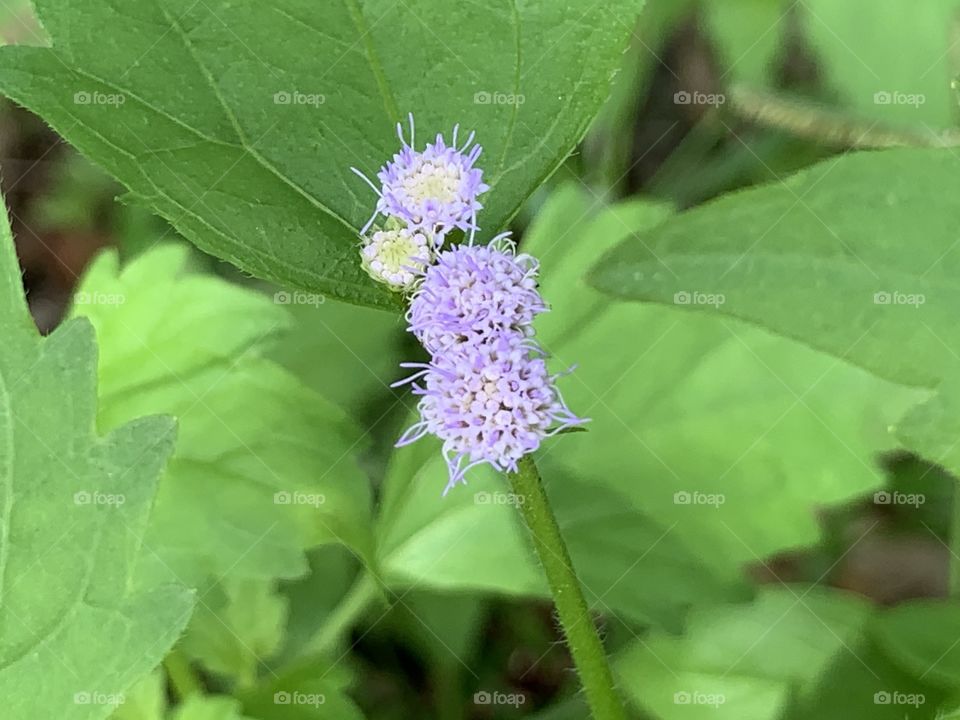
(921, 637)
(796, 434)
(332, 340)
(248, 153)
(78, 625)
(742, 661)
(249, 486)
(329, 576)
(209, 708)
(749, 35)
(831, 242)
(797, 653)
(891, 59)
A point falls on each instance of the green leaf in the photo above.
(318, 697)
(239, 624)
(863, 683)
(748, 35)
(853, 42)
(473, 539)
(147, 700)
(209, 708)
(932, 427)
(864, 270)
(332, 341)
(922, 637)
(264, 468)
(741, 661)
(76, 630)
(713, 410)
(312, 598)
(796, 653)
(265, 183)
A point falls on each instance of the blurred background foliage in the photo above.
(799, 597)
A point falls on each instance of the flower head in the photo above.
(489, 402)
(473, 292)
(434, 190)
(396, 257)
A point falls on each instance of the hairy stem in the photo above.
(578, 628)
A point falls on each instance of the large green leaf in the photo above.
(857, 256)
(76, 630)
(264, 467)
(248, 151)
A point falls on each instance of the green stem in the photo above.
(827, 126)
(183, 681)
(578, 628)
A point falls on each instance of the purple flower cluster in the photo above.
(473, 292)
(431, 193)
(486, 391)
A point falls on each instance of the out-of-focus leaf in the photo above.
(248, 152)
(77, 628)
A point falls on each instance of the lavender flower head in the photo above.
(435, 190)
(491, 402)
(486, 391)
(396, 257)
(474, 292)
